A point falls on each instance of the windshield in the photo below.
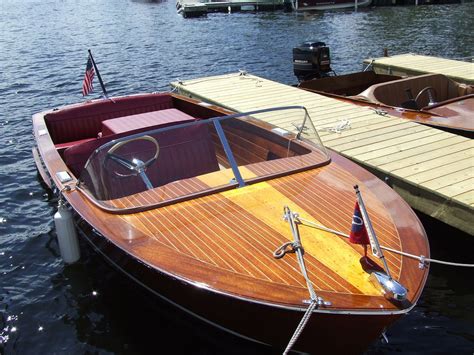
(187, 160)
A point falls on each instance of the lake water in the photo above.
(49, 308)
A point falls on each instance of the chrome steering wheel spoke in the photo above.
(136, 166)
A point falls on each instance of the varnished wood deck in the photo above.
(432, 169)
(414, 64)
(212, 254)
(243, 239)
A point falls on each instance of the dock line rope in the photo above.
(422, 259)
(296, 247)
(369, 65)
(299, 329)
(242, 73)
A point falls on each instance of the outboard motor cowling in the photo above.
(311, 60)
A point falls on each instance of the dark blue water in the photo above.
(49, 308)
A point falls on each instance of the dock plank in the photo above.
(442, 165)
(457, 190)
(428, 141)
(439, 155)
(467, 197)
(431, 169)
(414, 64)
(451, 179)
(391, 145)
(380, 136)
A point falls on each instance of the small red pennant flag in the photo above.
(358, 233)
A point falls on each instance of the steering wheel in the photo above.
(136, 166)
(431, 96)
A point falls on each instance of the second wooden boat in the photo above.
(431, 99)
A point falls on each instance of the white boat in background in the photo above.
(195, 8)
(317, 5)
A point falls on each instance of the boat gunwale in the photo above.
(47, 147)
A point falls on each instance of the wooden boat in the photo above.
(319, 5)
(449, 104)
(188, 200)
(347, 84)
(431, 99)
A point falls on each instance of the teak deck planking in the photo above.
(432, 169)
(414, 64)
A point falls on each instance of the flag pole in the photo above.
(98, 75)
(391, 288)
(374, 243)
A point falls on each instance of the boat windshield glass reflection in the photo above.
(182, 161)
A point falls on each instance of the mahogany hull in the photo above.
(337, 333)
(211, 254)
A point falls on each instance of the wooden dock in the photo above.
(431, 169)
(414, 64)
(193, 8)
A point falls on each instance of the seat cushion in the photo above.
(145, 121)
(62, 146)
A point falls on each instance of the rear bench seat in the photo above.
(83, 122)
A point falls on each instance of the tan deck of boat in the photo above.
(414, 64)
(432, 169)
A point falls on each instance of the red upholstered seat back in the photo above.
(184, 153)
(190, 154)
(85, 120)
(76, 156)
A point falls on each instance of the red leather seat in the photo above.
(184, 152)
(85, 120)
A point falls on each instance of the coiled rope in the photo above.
(422, 259)
(337, 128)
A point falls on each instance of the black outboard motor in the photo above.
(311, 60)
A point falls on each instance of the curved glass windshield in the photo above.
(182, 161)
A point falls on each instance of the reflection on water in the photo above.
(141, 46)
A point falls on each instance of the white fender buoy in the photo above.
(67, 235)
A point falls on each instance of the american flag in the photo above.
(88, 78)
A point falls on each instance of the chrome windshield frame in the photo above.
(239, 181)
